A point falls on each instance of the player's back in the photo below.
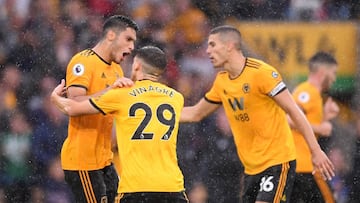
(147, 126)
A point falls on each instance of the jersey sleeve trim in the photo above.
(279, 88)
(211, 101)
(82, 86)
(96, 107)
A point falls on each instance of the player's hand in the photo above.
(123, 82)
(331, 109)
(57, 96)
(60, 90)
(323, 165)
(325, 128)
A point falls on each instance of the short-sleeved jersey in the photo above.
(309, 99)
(259, 126)
(147, 121)
(88, 144)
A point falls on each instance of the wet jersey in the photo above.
(309, 99)
(88, 144)
(147, 121)
(259, 126)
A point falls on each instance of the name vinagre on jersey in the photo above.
(150, 88)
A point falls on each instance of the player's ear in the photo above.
(230, 46)
(137, 66)
(111, 35)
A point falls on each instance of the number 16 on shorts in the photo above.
(266, 184)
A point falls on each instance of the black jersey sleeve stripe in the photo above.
(95, 106)
(251, 62)
(251, 66)
(82, 86)
(211, 101)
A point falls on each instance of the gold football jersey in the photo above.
(310, 101)
(147, 121)
(88, 144)
(259, 126)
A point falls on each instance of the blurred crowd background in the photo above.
(38, 38)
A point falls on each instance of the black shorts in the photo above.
(93, 186)
(152, 197)
(309, 188)
(272, 185)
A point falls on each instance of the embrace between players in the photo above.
(147, 123)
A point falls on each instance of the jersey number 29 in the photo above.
(139, 133)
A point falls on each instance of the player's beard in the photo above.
(326, 84)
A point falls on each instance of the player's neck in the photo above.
(101, 50)
(150, 77)
(316, 82)
(235, 66)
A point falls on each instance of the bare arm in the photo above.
(78, 102)
(197, 112)
(324, 129)
(331, 110)
(320, 161)
(68, 106)
(80, 94)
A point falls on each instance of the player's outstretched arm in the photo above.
(197, 112)
(69, 106)
(320, 161)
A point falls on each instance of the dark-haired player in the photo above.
(86, 155)
(147, 120)
(256, 103)
(310, 187)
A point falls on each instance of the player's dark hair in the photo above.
(228, 32)
(224, 29)
(321, 58)
(119, 22)
(152, 56)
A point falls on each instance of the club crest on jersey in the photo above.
(246, 88)
(304, 97)
(78, 69)
(274, 74)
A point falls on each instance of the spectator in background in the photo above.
(190, 26)
(37, 39)
(10, 82)
(55, 188)
(154, 16)
(224, 167)
(50, 131)
(338, 183)
(75, 15)
(198, 193)
(305, 10)
(64, 48)
(15, 165)
(354, 176)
